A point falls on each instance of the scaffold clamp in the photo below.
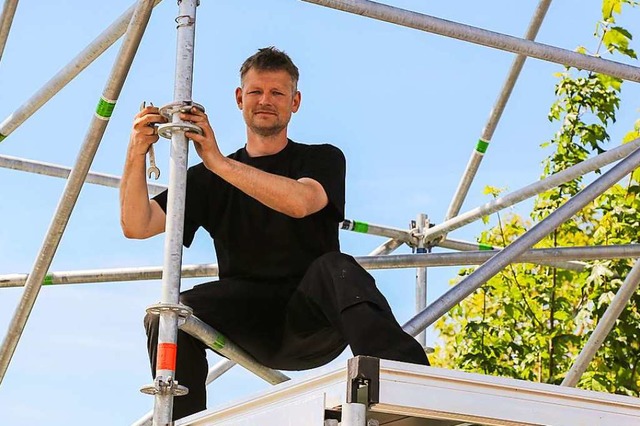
(183, 311)
(165, 386)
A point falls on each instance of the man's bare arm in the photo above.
(140, 217)
(295, 198)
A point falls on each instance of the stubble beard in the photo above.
(267, 131)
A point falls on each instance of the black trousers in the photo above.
(289, 325)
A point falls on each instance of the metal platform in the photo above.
(412, 395)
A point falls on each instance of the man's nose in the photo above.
(265, 99)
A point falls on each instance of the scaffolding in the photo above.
(422, 235)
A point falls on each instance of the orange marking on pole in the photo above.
(167, 356)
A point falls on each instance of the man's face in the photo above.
(267, 100)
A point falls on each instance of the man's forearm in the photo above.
(288, 196)
(135, 210)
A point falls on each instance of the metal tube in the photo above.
(537, 256)
(496, 112)
(422, 223)
(468, 246)
(522, 244)
(220, 344)
(55, 170)
(6, 19)
(387, 247)
(622, 297)
(168, 325)
(216, 371)
(74, 183)
(70, 71)
(380, 230)
(533, 189)
(354, 414)
(483, 37)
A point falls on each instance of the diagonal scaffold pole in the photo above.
(435, 232)
(6, 19)
(492, 267)
(147, 273)
(496, 113)
(422, 22)
(70, 71)
(69, 197)
(622, 297)
(530, 190)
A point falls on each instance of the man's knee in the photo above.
(151, 324)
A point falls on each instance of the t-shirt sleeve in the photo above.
(196, 203)
(327, 165)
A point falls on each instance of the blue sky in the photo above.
(405, 106)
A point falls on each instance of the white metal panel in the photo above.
(307, 410)
(437, 393)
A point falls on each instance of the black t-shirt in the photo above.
(253, 240)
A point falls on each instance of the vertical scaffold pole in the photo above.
(168, 328)
(496, 114)
(622, 297)
(422, 223)
(6, 19)
(76, 179)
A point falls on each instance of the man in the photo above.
(286, 294)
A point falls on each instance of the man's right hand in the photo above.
(144, 132)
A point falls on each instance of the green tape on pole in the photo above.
(105, 108)
(2, 137)
(360, 227)
(220, 342)
(48, 280)
(485, 247)
(482, 146)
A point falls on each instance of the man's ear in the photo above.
(297, 99)
(239, 97)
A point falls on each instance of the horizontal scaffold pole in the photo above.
(54, 170)
(469, 246)
(368, 262)
(419, 21)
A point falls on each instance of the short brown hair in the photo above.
(270, 59)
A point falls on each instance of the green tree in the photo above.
(531, 321)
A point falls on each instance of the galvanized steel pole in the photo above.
(522, 194)
(76, 179)
(214, 372)
(533, 189)
(96, 48)
(380, 230)
(496, 113)
(480, 36)
(422, 223)
(6, 19)
(521, 245)
(216, 341)
(165, 385)
(606, 323)
(468, 246)
(537, 256)
(49, 169)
